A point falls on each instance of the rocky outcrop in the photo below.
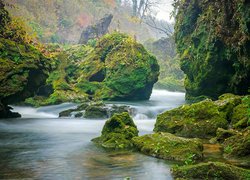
(118, 68)
(97, 30)
(210, 170)
(117, 132)
(23, 68)
(212, 41)
(170, 147)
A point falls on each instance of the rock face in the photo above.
(23, 68)
(170, 147)
(118, 69)
(118, 132)
(201, 119)
(210, 170)
(212, 42)
(97, 30)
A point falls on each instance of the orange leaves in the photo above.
(83, 20)
(111, 3)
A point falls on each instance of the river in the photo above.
(42, 146)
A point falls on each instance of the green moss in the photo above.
(197, 120)
(210, 170)
(170, 147)
(213, 49)
(123, 68)
(117, 132)
(238, 145)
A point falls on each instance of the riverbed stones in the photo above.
(117, 132)
(96, 110)
(170, 147)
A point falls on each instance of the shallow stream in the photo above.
(42, 146)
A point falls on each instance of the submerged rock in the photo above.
(170, 147)
(96, 110)
(210, 170)
(117, 132)
(5, 112)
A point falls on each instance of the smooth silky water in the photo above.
(42, 146)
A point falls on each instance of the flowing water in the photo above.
(42, 146)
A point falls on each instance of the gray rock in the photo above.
(97, 30)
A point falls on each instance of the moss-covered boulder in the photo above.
(212, 40)
(117, 132)
(118, 68)
(170, 147)
(210, 170)
(196, 120)
(238, 145)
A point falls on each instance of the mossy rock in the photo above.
(119, 68)
(95, 112)
(223, 134)
(240, 116)
(170, 147)
(238, 145)
(213, 49)
(117, 132)
(196, 120)
(210, 170)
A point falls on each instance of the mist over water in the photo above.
(42, 146)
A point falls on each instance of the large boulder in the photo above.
(170, 147)
(210, 170)
(213, 50)
(118, 68)
(117, 132)
(97, 30)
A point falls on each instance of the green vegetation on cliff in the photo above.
(213, 43)
(23, 68)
